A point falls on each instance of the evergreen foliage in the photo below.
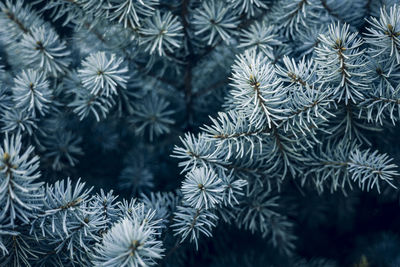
(206, 132)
